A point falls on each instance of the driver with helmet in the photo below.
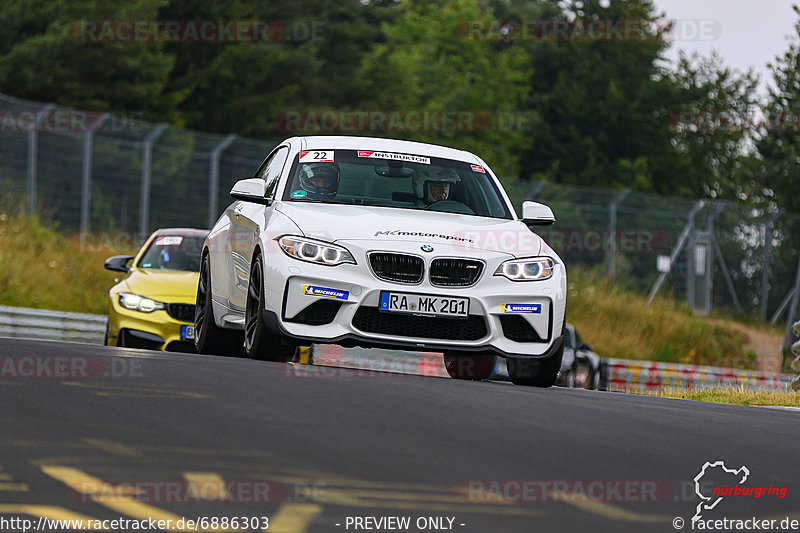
(430, 189)
(319, 180)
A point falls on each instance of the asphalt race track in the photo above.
(105, 433)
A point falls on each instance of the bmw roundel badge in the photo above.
(427, 248)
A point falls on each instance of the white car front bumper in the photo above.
(351, 316)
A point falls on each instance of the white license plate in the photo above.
(421, 304)
(187, 333)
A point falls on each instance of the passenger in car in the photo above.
(430, 189)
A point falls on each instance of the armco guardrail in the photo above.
(621, 374)
(618, 374)
(55, 325)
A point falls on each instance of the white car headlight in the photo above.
(530, 269)
(320, 252)
(134, 302)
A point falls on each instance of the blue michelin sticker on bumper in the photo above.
(313, 290)
(535, 309)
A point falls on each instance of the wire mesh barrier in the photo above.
(105, 172)
(90, 170)
(713, 255)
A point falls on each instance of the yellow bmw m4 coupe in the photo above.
(152, 305)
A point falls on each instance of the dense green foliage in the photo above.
(587, 106)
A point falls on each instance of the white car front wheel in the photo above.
(208, 337)
(258, 341)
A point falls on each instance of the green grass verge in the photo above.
(618, 321)
(44, 269)
(731, 395)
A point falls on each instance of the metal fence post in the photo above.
(691, 267)
(676, 250)
(765, 272)
(213, 178)
(147, 163)
(33, 155)
(708, 288)
(611, 251)
(793, 309)
(537, 187)
(86, 172)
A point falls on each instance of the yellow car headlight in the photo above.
(134, 302)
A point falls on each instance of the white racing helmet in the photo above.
(421, 180)
(327, 170)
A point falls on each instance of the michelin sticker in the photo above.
(396, 157)
(313, 290)
(317, 156)
(535, 309)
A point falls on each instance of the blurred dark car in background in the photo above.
(580, 367)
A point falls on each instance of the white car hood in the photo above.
(334, 222)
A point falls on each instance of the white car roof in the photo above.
(320, 142)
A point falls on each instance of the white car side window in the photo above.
(271, 171)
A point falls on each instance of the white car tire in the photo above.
(259, 342)
(208, 337)
(535, 372)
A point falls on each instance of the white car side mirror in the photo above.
(536, 214)
(251, 190)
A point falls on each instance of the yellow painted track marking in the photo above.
(294, 518)
(7, 484)
(111, 497)
(14, 487)
(606, 509)
(112, 447)
(206, 486)
(135, 391)
(46, 511)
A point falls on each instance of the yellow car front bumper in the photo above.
(154, 331)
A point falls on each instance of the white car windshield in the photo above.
(358, 177)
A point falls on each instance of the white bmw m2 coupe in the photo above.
(377, 243)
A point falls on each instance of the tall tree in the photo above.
(431, 63)
(602, 96)
(310, 58)
(779, 145)
(46, 54)
(712, 127)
